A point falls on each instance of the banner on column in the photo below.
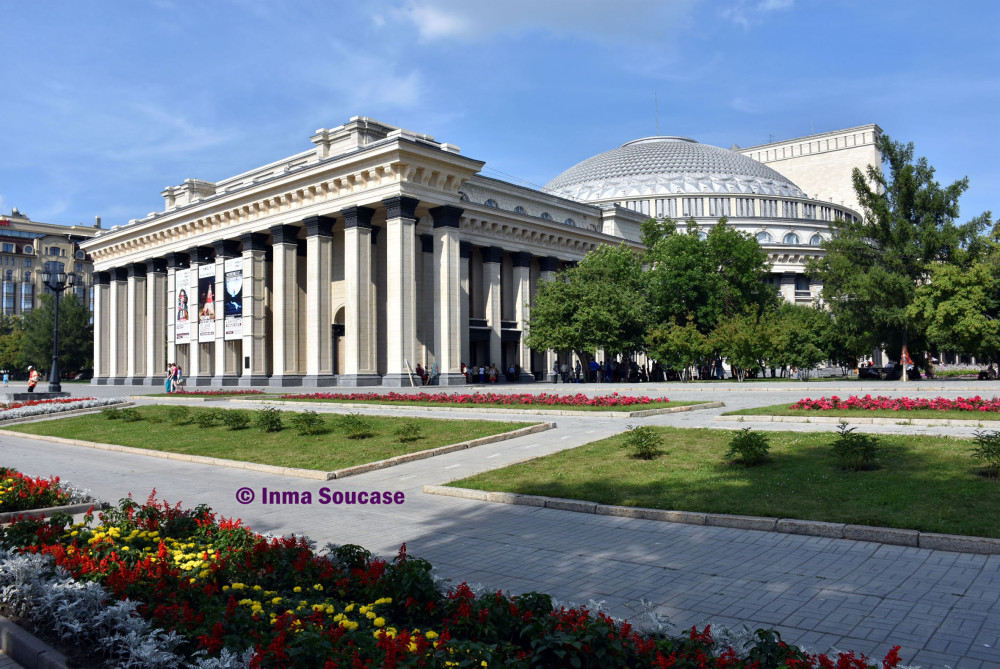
(182, 320)
(233, 310)
(206, 302)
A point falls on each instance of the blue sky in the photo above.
(104, 103)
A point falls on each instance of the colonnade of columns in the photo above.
(311, 313)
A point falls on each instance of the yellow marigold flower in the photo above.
(379, 622)
(276, 600)
(337, 618)
(318, 587)
(329, 610)
(297, 589)
(430, 635)
(257, 588)
(370, 615)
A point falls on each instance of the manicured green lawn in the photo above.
(924, 483)
(902, 416)
(325, 452)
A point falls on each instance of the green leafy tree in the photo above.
(744, 339)
(678, 346)
(76, 334)
(795, 333)
(11, 336)
(844, 340)
(872, 267)
(598, 304)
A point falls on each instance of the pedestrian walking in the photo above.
(33, 377)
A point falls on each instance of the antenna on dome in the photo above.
(656, 107)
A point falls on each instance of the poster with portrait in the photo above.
(206, 302)
(182, 306)
(233, 301)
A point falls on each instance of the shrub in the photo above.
(355, 426)
(308, 422)
(110, 413)
(129, 415)
(748, 447)
(267, 419)
(644, 442)
(855, 450)
(409, 430)
(235, 420)
(988, 450)
(208, 418)
(179, 415)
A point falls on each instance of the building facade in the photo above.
(379, 249)
(28, 248)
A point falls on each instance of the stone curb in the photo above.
(514, 412)
(860, 420)
(71, 509)
(60, 414)
(28, 650)
(294, 471)
(813, 528)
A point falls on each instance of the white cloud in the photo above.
(744, 14)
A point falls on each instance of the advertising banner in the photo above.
(181, 309)
(233, 301)
(206, 302)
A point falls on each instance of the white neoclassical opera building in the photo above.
(380, 248)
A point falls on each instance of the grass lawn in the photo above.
(325, 452)
(784, 410)
(653, 404)
(922, 483)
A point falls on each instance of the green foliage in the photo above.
(856, 450)
(11, 336)
(208, 418)
(744, 340)
(235, 419)
(409, 430)
(748, 447)
(110, 413)
(796, 337)
(355, 426)
(644, 442)
(987, 449)
(179, 415)
(129, 415)
(308, 423)
(678, 346)
(268, 419)
(76, 334)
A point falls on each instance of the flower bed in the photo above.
(880, 403)
(492, 399)
(15, 410)
(219, 589)
(20, 492)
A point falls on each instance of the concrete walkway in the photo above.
(943, 608)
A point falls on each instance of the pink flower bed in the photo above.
(493, 399)
(869, 403)
(34, 403)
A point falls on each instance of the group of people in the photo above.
(174, 379)
(483, 373)
(427, 376)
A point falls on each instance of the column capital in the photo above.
(136, 269)
(548, 264)
(156, 266)
(102, 278)
(521, 259)
(447, 216)
(319, 226)
(119, 274)
(491, 254)
(225, 248)
(175, 260)
(357, 217)
(284, 234)
(200, 255)
(254, 241)
(400, 206)
(427, 243)
(465, 250)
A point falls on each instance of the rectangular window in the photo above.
(27, 262)
(769, 208)
(718, 206)
(27, 293)
(694, 206)
(8, 248)
(788, 209)
(666, 207)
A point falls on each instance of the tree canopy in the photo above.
(76, 334)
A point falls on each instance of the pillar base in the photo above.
(197, 381)
(358, 380)
(320, 380)
(400, 381)
(452, 379)
(225, 380)
(248, 380)
(135, 381)
(284, 380)
(526, 377)
(103, 381)
(116, 381)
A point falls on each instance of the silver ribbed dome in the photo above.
(665, 166)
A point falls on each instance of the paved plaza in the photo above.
(941, 607)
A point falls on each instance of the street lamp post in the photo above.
(57, 283)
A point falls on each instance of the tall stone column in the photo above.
(448, 295)
(255, 364)
(491, 283)
(426, 346)
(284, 337)
(102, 338)
(522, 296)
(201, 350)
(135, 324)
(359, 309)
(227, 352)
(319, 277)
(464, 251)
(175, 261)
(116, 326)
(400, 290)
(156, 320)
(548, 272)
